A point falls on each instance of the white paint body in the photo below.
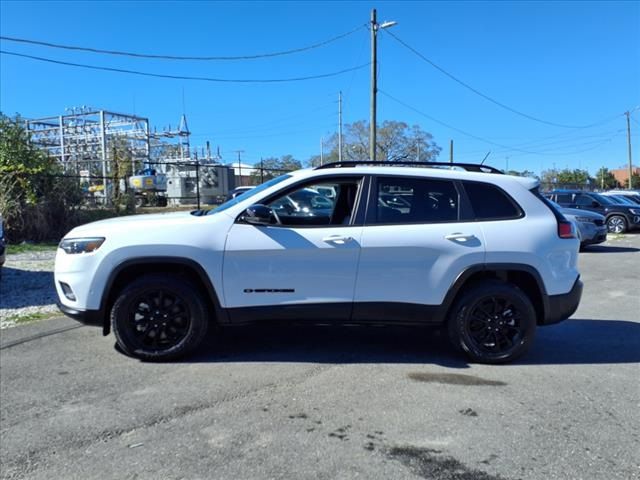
(415, 263)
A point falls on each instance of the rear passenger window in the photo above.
(564, 198)
(416, 200)
(490, 202)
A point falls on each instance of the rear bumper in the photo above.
(93, 318)
(561, 307)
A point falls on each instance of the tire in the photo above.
(159, 318)
(493, 322)
(616, 224)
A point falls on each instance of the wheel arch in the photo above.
(523, 276)
(179, 266)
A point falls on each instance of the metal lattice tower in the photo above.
(84, 138)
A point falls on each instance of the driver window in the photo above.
(326, 203)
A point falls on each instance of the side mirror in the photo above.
(595, 204)
(258, 215)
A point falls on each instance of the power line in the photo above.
(180, 57)
(487, 97)
(182, 77)
(506, 147)
(406, 105)
(541, 142)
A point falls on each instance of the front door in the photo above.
(302, 268)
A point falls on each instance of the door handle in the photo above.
(460, 237)
(337, 239)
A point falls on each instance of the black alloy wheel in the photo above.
(493, 322)
(159, 318)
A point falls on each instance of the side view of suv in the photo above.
(619, 217)
(481, 253)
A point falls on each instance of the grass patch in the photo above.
(31, 247)
(32, 317)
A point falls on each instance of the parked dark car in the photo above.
(620, 218)
(631, 195)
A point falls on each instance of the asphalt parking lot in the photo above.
(321, 403)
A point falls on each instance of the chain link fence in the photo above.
(67, 199)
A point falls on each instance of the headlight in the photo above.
(81, 245)
(635, 211)
(584, 219)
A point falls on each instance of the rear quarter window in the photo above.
(490, 202)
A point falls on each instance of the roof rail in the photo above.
(469, 167)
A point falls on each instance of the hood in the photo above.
(575, 212)
(131, 222)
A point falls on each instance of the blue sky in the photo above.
(573, 63)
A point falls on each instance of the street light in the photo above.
(375, 26)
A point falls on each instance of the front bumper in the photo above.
(599, 235)
(561, 307)
(93, 318)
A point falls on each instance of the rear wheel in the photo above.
(159, 318)
(493, 322)
(616, 224)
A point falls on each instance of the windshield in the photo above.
(248, 194)
(602, 199)
(620, 199)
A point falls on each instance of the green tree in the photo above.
(574, 178)
(26, 165)
(122, 168)
(635, 181)
(605, 179)
(273, 167)
(395, 141)
(37, 200)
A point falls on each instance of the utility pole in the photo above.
(239, 165)
(321, 151)
(375, 26)
(417, 152)
(340, 126)
(450, 151)
(261, 170)
(629, 146)
(374, 87)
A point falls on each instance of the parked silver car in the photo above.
(591, 226)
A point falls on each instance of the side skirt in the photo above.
(368, 313)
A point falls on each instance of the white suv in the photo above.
(480, 252)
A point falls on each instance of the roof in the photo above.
(419, 171)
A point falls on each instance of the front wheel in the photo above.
(616, 224)
(159, 318)
(494, 322)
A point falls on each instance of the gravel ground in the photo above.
(26, 287)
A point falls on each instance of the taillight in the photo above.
(565, 229)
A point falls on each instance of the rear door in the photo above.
(414, 245)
